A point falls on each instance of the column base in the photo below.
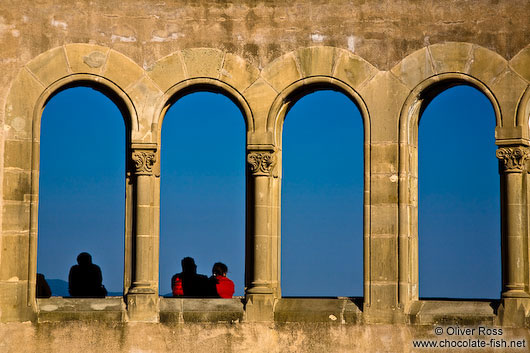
(260, 289)
(514, 312)
(259, 308)
(515, 293)
(142, 307)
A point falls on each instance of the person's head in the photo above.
(219, 269)
(84, 259)
(188, 265)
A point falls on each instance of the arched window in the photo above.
(81, 187)
(459, 207)
(202, 191)
(322, 197)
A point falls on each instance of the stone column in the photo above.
(142, 298)
(259, 235)
(512, 169)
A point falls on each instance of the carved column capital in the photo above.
(261, 163)
(513, 159)
(144, 161)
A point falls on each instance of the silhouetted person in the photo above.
(224, 287)
(85, 278)
(43, 289)
(188, 283)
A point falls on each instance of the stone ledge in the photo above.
(331, 310)
(464, 312)
(87, 309)
(201, 310)
(341, 310)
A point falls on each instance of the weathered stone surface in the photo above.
(508, 90)
(146, 47)
(50, 66)
(203, 62)
(282, 72)
(86, 58)
(122, 70)
(352, 69)
(238, 73)
(520, 63)
(317, 60)
(450, 57)
(486, 65)
(415, 68)
(20, 106)
(168, 71)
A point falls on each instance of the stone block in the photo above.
(508, 90)
(238, 73)
(353, 70)
(168, 71)
(15, 217)
(121, 70)
(13, 299)
(260, 97)
(520, 63)
(384, 259)
(383, 296)
(329, 310)
(384, 219)
(282, 72)
(110, 309)
(384, 189)
(317, 60)
(14, 257)
(415, 68)
(17, 184)
(451, 57)
(147, 97)
(20, 106)
(86, 58)
(142, 307)
(203, 62)
(259, 308)
(437, 312)
(50, 66)
(486, 65)
(384, 96)
(18, 154)
(212, 310)
(384, 157)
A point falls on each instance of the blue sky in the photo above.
(202, 192)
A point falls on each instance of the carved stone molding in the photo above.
(261, 162)
(144, 161)
(513, 158)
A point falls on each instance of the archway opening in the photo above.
(202, 191)
(81, 187)
(459, 202)
(322, 197)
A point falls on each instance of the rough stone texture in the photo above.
(97, 337)
(389, 57)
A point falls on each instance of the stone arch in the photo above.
(520, 63)
(36, 83)
(198, 84)
(205, 69)
(412, 109)
(276, 117)
(314, 68)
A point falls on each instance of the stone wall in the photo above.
(390, 58)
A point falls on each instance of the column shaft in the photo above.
(514, 221)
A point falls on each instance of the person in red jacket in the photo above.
(223, 285)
